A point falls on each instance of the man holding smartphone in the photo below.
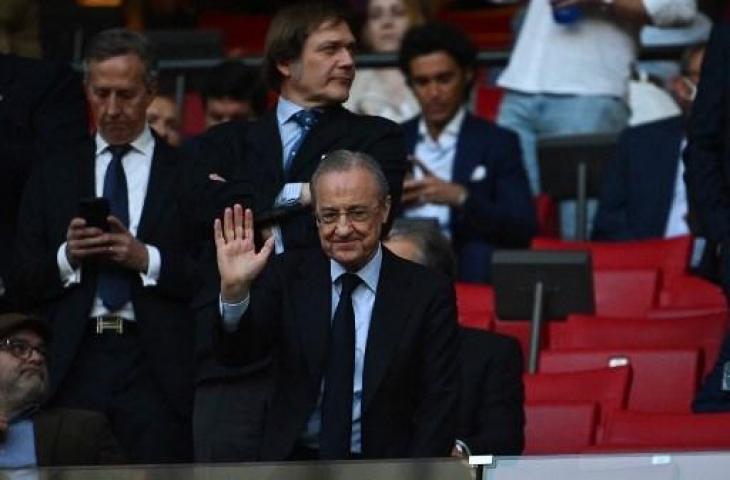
(102, 248)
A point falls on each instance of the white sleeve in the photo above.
(671, 13)
(289, 194)
(69, 275)
(154, 264)
(231, 313)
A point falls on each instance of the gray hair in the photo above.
(115, 42)
(434, 249)
(346, 160)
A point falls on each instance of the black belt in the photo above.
(112, 324)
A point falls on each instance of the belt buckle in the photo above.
(109, 324)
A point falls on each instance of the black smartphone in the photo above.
(94, 211)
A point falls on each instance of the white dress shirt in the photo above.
(438, 155)
(137, 164)
(363, 299)
(592, 56)
(677, 219)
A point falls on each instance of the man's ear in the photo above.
(386, 209)
(284, 69)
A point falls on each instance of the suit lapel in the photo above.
(390, 313)
(668, 141)
(465, 158)
(330, 128)
(157, 198)
(313, 297)
(265, 141)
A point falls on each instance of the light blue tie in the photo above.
(306, 119)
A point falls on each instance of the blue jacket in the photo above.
(499, 211)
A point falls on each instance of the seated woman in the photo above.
(383, 91)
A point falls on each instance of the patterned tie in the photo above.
(306, 119)
(335, 437)
(114, 283)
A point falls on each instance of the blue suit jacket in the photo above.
(638, 186)
(499, 210)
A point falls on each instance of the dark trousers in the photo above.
(228, 417)
(110, 374)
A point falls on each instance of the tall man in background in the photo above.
(115, 288)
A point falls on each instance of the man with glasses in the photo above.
(32, 437)
(365, 341)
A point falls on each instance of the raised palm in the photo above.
(238, 262)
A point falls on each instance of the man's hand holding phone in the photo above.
(430, 189)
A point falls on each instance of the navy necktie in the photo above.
(306, 119)
(114, 283)
(336, 433)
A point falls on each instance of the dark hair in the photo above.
(233, 79)
(434, 249)
(288, 32)
(346, 160)
(119, 41)
(435, 37)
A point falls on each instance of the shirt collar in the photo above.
(450, 131)
(285, 109)
(143, 143)
(369, 273)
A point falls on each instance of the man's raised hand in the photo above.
(238, 262)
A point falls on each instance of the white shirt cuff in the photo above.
(69, 275)
(289, 194)
(278, 239)
(670, 13)
(231, 313)
(154, 264)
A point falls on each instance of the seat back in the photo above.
(671, 255)
(625, 292)
(608, 388)
(680, 431)
(475, 305)
(704, 332)
(559, 427)
(663, 380)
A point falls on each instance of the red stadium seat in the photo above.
(520, 330)
(670, 256)
(607, 387)
(559, 427)
(704, 332)
(641, 431)
(663, 380)
(547, 216)
(242, 33)
(686, 291)
(626, 292)
(475, 304)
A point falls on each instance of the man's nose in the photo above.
(112, 106)
(346, 58)
(36, 357)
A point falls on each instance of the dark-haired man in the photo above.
(365, 341)
(115, 284)
(233, 91)
(467, 173)
(309, 61)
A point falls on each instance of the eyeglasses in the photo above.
(21, 349)
(352, 215)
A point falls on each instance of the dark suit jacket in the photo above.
(638, 185)
(248, 156)
(165, 325)
(499, 210)
(252, 153)
(410, 379)
(42, 110)
(74, 437)
(707, 156)
(491, 412)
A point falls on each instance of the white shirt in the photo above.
(592, 56)
(438, 155)
(363, 300)
(137, 165)
(677, 219)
